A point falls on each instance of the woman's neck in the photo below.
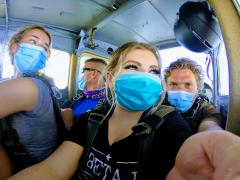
(126, 115)
(121, 123)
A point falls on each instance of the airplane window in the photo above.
(237, 5)
(238, 2)
(57, 67)
(171, 54)
(223, 80)
(7, 68)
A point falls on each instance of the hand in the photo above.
(208, 155)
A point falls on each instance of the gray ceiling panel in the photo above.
(117, 21)
(70, 14)
(117, 34)
(146, 22)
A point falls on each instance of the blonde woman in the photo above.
(26, 103)
(134, 79)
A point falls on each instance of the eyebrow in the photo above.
(39, 38)
(154, 66)
(132, 61)
(139, 64)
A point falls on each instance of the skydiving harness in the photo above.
(18, 155)
(145, 130)
(97, 94)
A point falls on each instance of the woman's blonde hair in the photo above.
(119, 55)
(17, 37)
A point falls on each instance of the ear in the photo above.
(14, 47)
(94, 74)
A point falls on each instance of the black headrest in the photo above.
(196, 27)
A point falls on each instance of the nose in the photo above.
(143, 69)
(41, 43)
(181, 87)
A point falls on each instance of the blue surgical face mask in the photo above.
(182, 100)
(137, 91)
(81, 82)
(30, 58)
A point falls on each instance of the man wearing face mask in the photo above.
(184, 79)
(91, 88)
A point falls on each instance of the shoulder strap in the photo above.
(94, 122)
(59, 119)
(146, 130)
(95, 119)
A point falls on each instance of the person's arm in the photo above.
(60, 165)
(67, 115)
(5, 164)
(211, 119)
(17, 95)
(209, 124)
(208, 155)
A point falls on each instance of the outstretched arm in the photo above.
(208, 155)
(212, 120)
(60, 165)
(209, 124)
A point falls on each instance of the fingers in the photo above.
(208, 155)
(228, 167)
(174, 174)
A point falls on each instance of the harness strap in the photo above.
(146, 130)
(94, 122)
(71, 103)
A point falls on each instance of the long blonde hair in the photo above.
(117, 58)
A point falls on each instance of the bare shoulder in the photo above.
(20, 86)
(18, 94)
